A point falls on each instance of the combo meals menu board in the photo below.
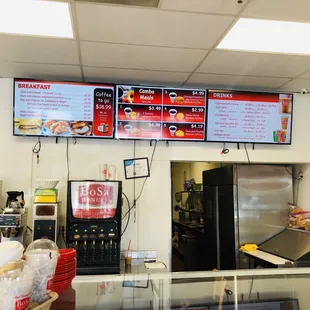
(44, 108)
(160, 113)
(235, 116)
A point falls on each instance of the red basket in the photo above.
(66, 267)
(66, 256)
(65, 276)
(59, 287)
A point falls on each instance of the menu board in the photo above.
(235, 116)
(61, 109)
(160, 113)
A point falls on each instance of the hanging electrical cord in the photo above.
(67, 157)
(128, 212)
(295, 178)
(141, 191)
(37, 149)
(224, 150)
(297, 184)
(247, 153)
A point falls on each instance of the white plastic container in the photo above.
(42, 257)
(16, 278)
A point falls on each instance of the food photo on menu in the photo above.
(126, 94)
(55, 127)
(81, 128)
(27, 126)
(141, 130)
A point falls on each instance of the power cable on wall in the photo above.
(128, 212)
(247, 154)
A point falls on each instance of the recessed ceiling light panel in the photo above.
(35, 17)
(269, 36)
(145, 3)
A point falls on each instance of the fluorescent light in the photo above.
(268, 36)
(34, 17)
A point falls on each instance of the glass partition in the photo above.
(265, 289)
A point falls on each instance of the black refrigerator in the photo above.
(242, 204)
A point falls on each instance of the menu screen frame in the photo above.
(253, 93)
(77, 83)
(162, 121)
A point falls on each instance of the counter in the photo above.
(262, 289)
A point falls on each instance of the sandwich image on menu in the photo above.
(28, 126)
(81, 128)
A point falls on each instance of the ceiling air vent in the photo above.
(145, 3)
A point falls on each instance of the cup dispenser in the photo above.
(94, 225)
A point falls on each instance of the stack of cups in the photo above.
(65, 270)
(42, 256)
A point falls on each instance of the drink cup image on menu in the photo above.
(127, 112)
(172, 97)
(173, 113)
(284, 121)
(128, 128)
(172, 130)
(285, 104)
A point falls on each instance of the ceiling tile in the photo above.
(40, 71)
(38, 50)
(235, 82)
(256, 64)
(296, 85)
(305, 75)
(153, 27)
(204, 6)
(290, 10)
(140, 57)
(93, 74)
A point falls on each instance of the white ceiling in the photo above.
(170, 45)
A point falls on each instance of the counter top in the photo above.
(270, 258)
(186, 224)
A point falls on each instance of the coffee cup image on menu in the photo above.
(173, 113)
(172, 97)
(127, 112)
(172, 130)
(128, 128)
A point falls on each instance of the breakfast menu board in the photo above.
(63, 109)
(235, 116)
(160, 113)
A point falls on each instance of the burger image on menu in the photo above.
(29, 126)
(85, 128)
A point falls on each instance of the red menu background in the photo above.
(147, 113)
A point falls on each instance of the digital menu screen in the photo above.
(160, 113)
(63, 109)
(235, 116)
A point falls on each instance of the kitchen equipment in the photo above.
(94, 225)
(13, 220)
(243, 204)
(291, 244)
(13, 205)
(46, 183)
(46, 220)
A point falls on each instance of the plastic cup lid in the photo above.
(11, 251)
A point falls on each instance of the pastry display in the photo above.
(56, 127)
(129, 98)
(299, 219)
(30, 126)
(84, 128)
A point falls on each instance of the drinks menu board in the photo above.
(235, 116)
(44, 108)
(160, 113)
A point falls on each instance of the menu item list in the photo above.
(249, 117)
(63, 109)
(160, 113)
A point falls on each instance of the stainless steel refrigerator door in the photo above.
(264, 192)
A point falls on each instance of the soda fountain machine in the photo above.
(94, 225)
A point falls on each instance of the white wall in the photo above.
(152, 229)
